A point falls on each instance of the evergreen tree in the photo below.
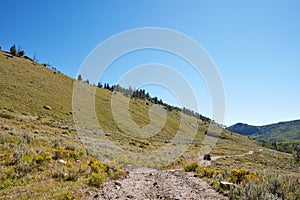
(13, 50)
(99, 85)
(155, 99)
(21, 53)
(79, 77)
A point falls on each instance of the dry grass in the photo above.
(35, 133)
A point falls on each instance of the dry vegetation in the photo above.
(43, 156)
(265, 174)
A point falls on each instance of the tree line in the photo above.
(19, 52)
(16, 52)
(287, 147)
(128, 92)
(144, 95)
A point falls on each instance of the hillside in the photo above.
(279, 132)
(27, 87)
(45, 155)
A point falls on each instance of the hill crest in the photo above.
(287, 131)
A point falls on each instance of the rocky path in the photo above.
(143, 184)
(154, 184)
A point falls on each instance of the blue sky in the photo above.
(254, 44)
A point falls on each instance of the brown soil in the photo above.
(157, 184)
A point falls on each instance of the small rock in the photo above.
(151, 174)
(11, 132)
(118, 183)
(4, 127)
(62, 161)
(129, 196)
(226, 185)
(47, 107)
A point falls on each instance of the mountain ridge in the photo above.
(285, 131)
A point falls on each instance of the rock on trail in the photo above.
(157, 184)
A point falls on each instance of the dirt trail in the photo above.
(154, 184)
(213, 158)
(158, 184)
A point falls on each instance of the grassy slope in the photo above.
(279, 132)
(26, 87)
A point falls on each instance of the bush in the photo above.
(191, 167)
(60, 154)
(271, 186)
(21, 53)
(66, 196)
(238, 175)
(27, 158)
(97, 166)
(96, 179)
(207, 172)
(72, 173)
(6, 116)
(38, 158)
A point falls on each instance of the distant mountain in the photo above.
(279, 132)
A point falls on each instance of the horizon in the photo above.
(255, 54)
(152, 96)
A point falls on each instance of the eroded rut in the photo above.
(151, 184)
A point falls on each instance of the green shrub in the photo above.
(38, 158)
(268, 186)
(27, 158)
(96, 179)
(72, 174)
(65, 196)
(6, 116)
(10, 173)
(207, 172)
(191, 167)
(97, 166)
(238, 175)
(60, 154)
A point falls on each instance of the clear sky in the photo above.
(255, 44)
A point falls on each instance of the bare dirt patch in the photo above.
(158, 184)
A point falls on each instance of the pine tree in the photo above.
(99, 85)
(79, 77)
(13, 50)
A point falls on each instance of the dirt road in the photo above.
(213, 158)
(153, 184)
(158, 184)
